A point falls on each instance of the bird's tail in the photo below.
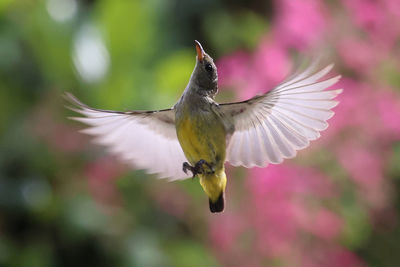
(214, 185)
(217, 206)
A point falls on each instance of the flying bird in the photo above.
(197, 135)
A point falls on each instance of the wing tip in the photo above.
(72, 99)
(329, 67)
(339, 91)
(73, 118)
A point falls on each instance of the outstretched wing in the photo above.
(145, 139)
(273, 126)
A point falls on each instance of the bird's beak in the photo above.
(199, 50)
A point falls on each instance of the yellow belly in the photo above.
(204, 138)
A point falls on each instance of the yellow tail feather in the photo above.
(214, 184)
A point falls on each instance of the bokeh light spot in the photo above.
(62, 10)
(90, 55)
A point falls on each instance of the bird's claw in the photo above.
(198, 168)
(186, 166)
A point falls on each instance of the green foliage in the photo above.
(232, 31)
(186, 253)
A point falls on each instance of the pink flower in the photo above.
(57, 135)
(300, 24)
(365, 168)
(224, 238)
(271, 64)
(389, 110)
(289, 216)
(101, 175)
(370, 113)
(354, 112)
(366, 13)
(257, 73)
(278, 194)
(359, 55)
(326, 225)
(233, 70)
(284, 179)
(330, 257)
(392, 7)
(378, 18)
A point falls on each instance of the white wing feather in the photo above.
(274, 126)
(144, 139)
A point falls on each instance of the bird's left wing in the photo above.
(273, 126)
(145, 139)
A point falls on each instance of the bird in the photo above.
(197, 135)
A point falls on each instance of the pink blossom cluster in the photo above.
(101, 175)
(283, 218)
(292, 214)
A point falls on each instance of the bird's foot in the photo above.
(186, 166)
(198, 168)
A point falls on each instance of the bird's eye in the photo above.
(208, 67)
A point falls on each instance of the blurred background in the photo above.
(65, 202)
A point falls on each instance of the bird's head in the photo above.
(205, 73)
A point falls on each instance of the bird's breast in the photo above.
(202, 136)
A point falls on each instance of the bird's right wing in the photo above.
(273, 126)
(144, 139)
